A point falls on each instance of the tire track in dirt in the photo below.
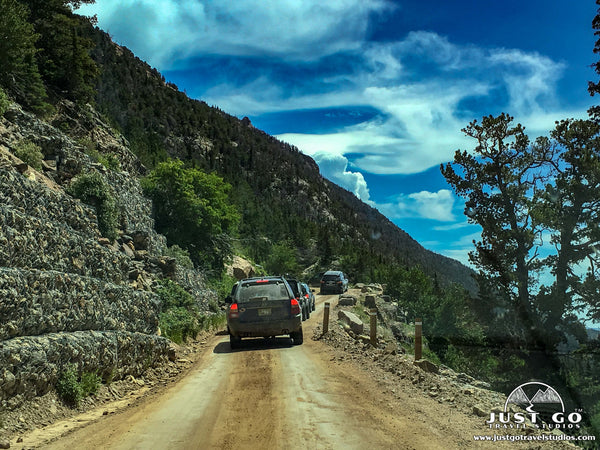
(247, 413)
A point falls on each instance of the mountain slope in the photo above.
(280, 192)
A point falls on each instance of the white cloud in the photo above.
(425, 205)
(163, 31)
(423, 112)
(335, 168)
(451, 227)
(434, 205)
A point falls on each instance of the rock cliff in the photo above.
(68, 295)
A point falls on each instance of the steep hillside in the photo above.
(68, 296)
(279, 190)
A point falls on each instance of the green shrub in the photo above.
(91, 188)
(181, 256)
(172, 294)
(29, 153)
(206, 218)
(215, 321)
(178, 324)
(72, 388)
(109, 160)
(179, 318)
(4, 102)
(69, 388)
(222, 286)
(90, 383)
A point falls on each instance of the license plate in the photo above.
(264, 312)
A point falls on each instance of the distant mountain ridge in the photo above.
(279, 190)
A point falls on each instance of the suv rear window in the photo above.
(274, 290)
(295, 286)
(331, 277)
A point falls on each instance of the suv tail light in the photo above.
(233, 311)
(295, 307)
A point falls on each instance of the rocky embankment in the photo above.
(389, 362)
(67, 295)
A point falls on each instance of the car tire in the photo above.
(297, 337)
(234, 341)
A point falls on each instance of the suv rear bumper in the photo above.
(264, 329)
(332, 289)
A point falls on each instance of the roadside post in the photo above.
(326, 318)
(373, 314)
(418, 339)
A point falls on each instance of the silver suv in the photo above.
(334, 281)
(263, 307)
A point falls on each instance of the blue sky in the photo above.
(376, 91)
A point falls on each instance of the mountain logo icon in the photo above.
(535, 395)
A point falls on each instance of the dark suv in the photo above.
(263, 307)
(299, 294)
(334, 281)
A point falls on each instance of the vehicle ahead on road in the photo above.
(263, 307)
(297, 290)
(308, 293)
(334, 281)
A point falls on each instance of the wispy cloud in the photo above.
(436, 206)
(169, 31)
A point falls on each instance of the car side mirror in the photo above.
(228, 299)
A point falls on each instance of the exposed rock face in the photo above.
(38, 302)
(31, 365)
(67, 295)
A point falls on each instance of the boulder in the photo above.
(141, 240)
(347, 300)
(352, 320)
(127, 250)
(375, 287)
(240, 268)
(370, 301)
(427, 366)
(480, 411)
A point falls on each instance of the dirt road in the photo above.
(271, 395)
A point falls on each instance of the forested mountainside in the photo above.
(279, 190)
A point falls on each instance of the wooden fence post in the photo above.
(418, 339)
(373, 314)
(326, 318)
